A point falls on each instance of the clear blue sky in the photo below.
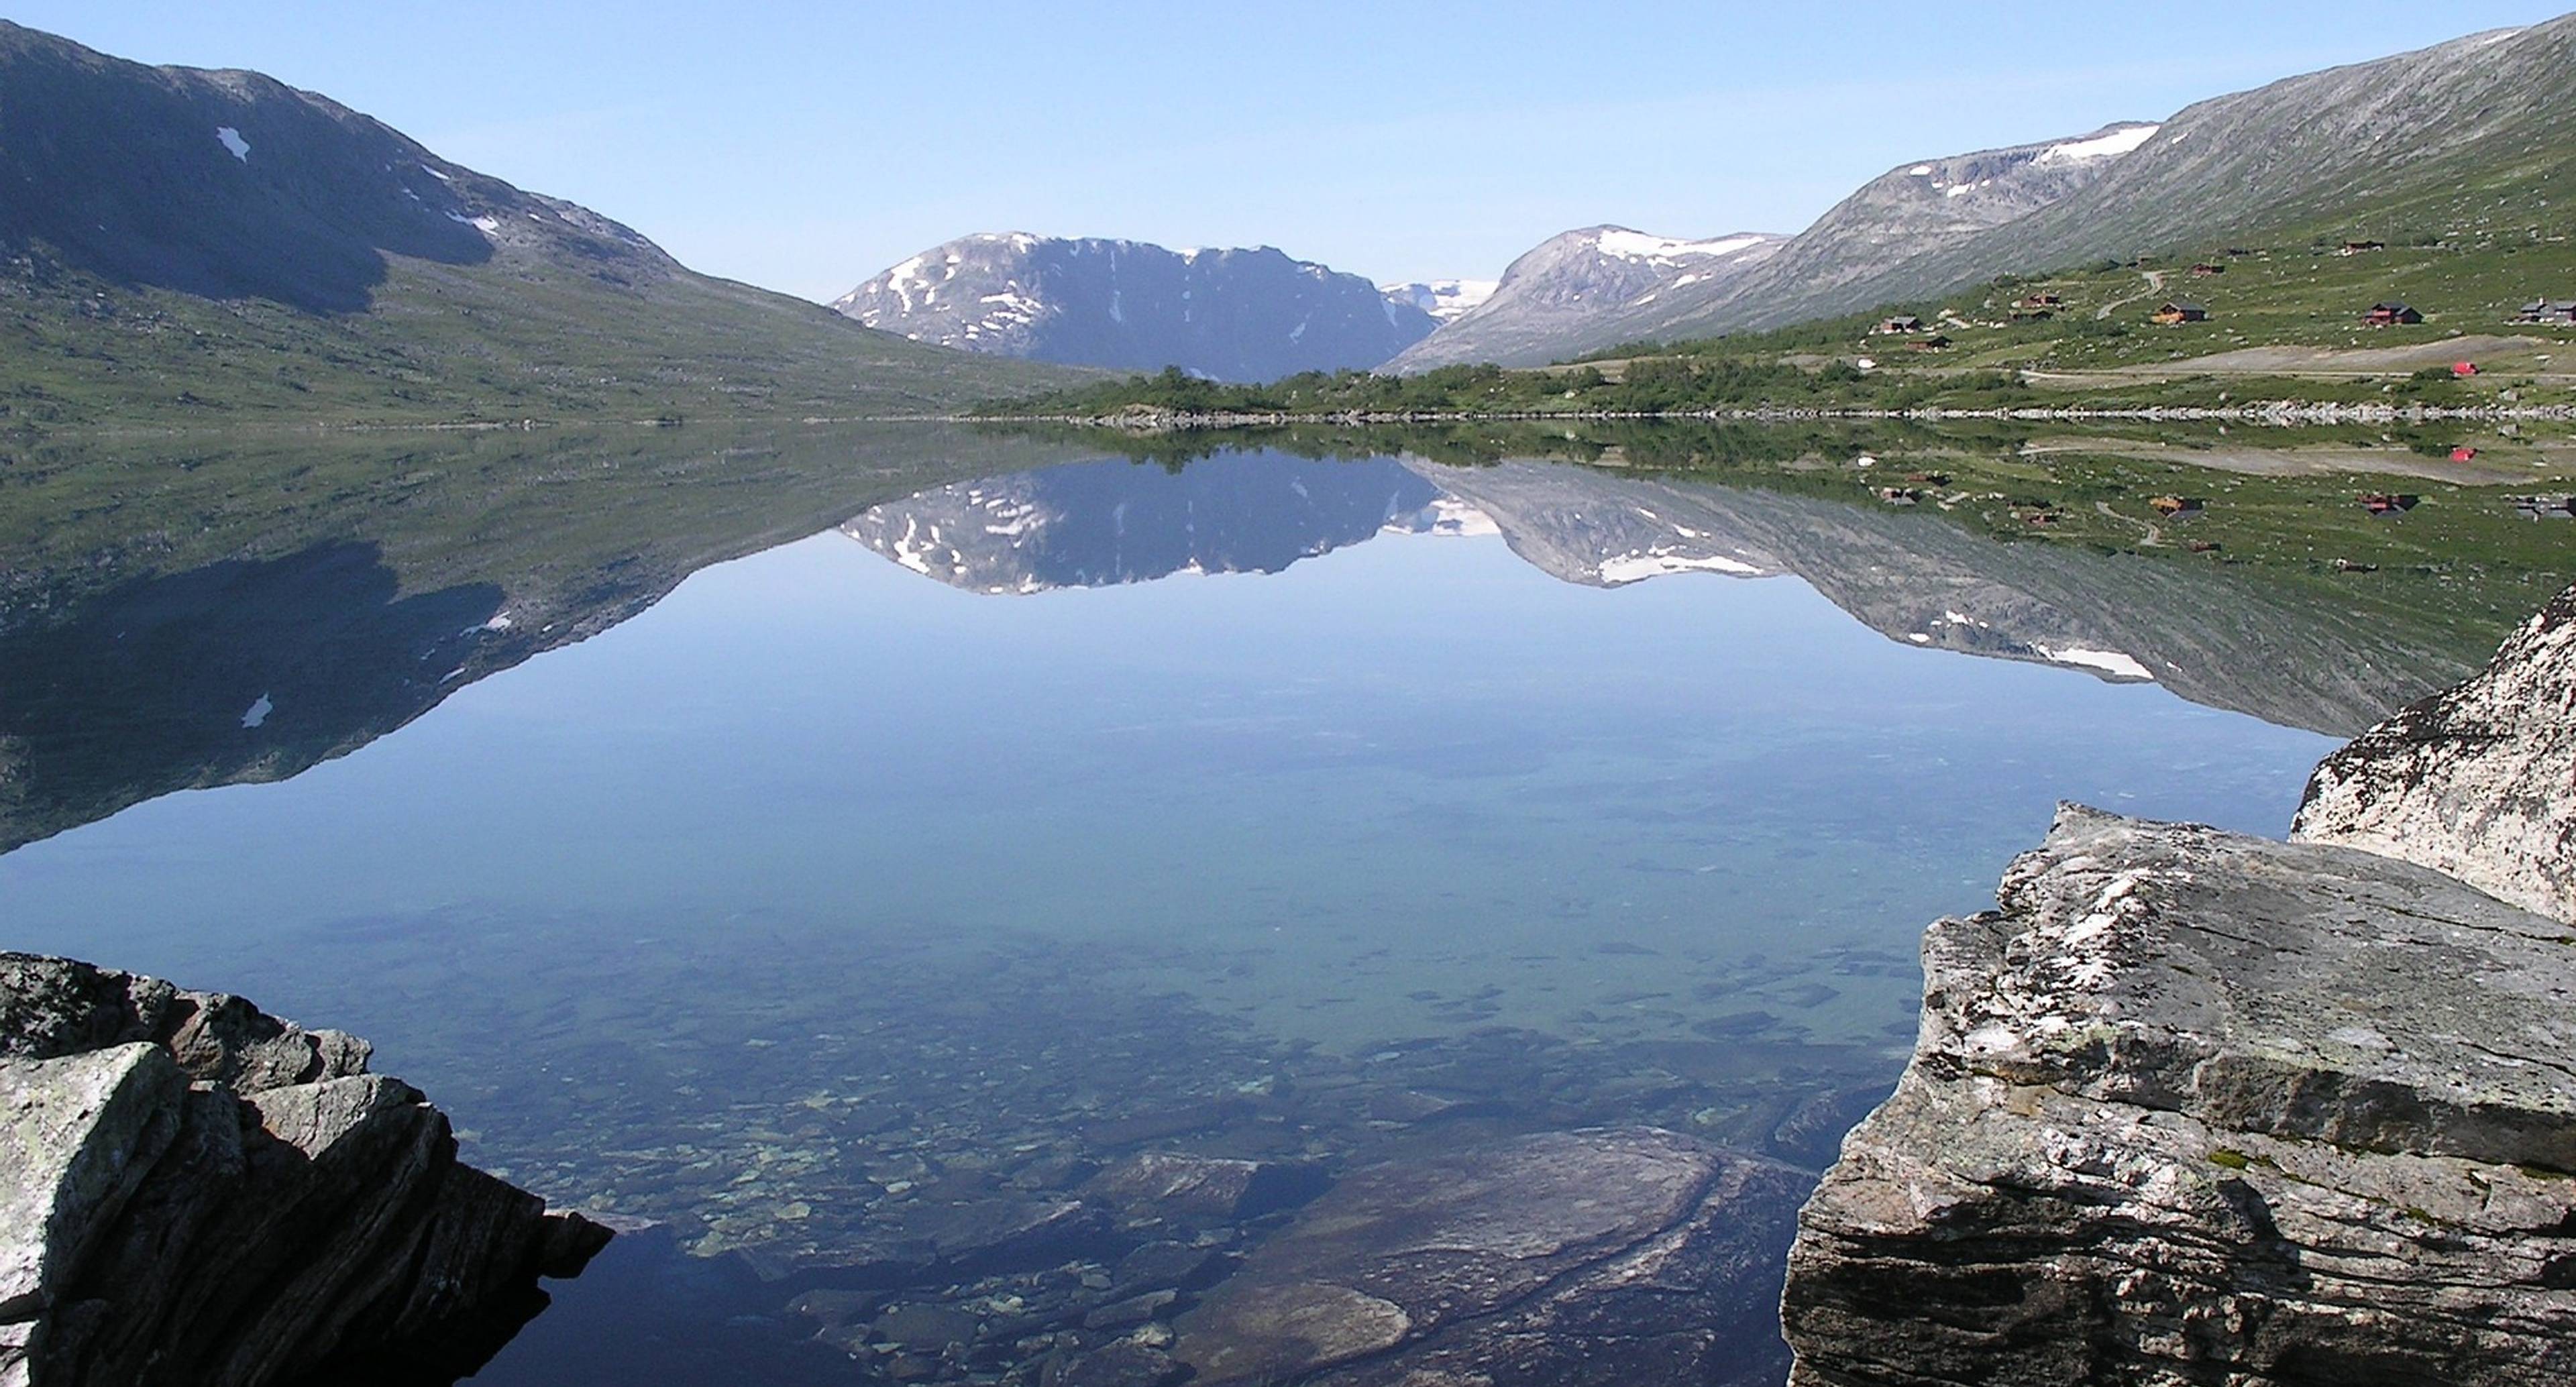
(805, 145)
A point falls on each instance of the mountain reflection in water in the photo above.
(856, 928)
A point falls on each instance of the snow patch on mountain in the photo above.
(2108, 145)
(1443, 299)
(1664, 250)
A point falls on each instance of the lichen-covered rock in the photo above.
(1604, 1257)
(192, 1191)
(2478, 782)
(2194, 1107)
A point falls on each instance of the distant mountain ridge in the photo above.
(1233, 315)
(216, 242)
(1558, 292)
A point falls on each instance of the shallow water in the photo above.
(822, 884)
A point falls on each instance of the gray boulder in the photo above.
(2479, 782)
(201, 1193)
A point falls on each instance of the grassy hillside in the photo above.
(443, 343)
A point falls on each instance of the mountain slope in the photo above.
(1573, 286)
(1236, 315)
(2421, 143)
(175, 240)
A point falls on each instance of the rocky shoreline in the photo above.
(201, 1193)
(2196, 1107)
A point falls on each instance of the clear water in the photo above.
(822, 882)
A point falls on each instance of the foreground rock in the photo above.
(2194, 1107)
(2479, 782)
(1629, 1256)
(199, 1193)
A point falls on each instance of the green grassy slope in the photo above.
(444, 343)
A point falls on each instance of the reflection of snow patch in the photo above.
(1448, 517)
(1636, 568)
(2110, 662)
(233, 141)
(259, 711)
(486, 225)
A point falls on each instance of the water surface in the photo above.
(1269, 807)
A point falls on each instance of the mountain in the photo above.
(2441, 141)
(1560, 292)
(1235, 315)
(1093, 524)
(1581, 297)
(215, 244)
(2427, 142)
(1446, 300)
(1912, 212)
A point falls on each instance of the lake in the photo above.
(904, 865)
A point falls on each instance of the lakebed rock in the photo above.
(200, 1193)
(2196, 1107)
(1621, 1256)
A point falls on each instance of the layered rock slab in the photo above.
(1599, 1257)
(200, 1193)
(2194, 1107)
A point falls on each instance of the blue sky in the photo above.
(804, 145)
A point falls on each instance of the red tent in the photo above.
(2464, 453)
(2464, 369)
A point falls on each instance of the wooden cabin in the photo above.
(2206, 268)
(1934, 343)
(2549, 311)
(2039, 301)
(1895, 326)
(2177, 505)
(2388, 503)
(2181, 311)
(2390, 315)
(2359, 247)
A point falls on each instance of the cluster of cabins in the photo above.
(2042, 306)
(1907, 325)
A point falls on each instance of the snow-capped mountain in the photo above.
(1552, 294)
(1605, 286)
(1443, 299)
(1240, 315)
